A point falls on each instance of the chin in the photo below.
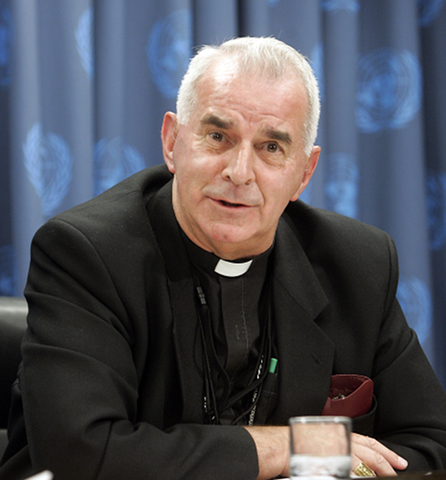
(230, 234)
(230, 240)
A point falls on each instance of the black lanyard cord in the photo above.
(210, 399)
(260, 373)
(210, 402)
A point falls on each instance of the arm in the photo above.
(80, 381)
(272, 444)
(411, 413)
(410, 418)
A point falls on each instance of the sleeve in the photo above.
(80, 386)
(411, 408)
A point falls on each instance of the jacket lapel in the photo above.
(186, 332)
(305, 352)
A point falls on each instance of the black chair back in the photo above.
(13, 312)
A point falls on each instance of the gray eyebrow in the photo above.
(212, 119)
(279, 135)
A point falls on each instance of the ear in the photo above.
(310, 167)
(168, 137)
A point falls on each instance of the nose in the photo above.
(240, 167)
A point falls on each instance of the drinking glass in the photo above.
(320, 447)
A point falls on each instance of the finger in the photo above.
(374, 461)
(382, 451)
(362, 470)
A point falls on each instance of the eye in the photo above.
(272, 147)
(217, 136)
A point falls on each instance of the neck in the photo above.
(231, 252)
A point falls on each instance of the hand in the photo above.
(375, 455)
(273, 446)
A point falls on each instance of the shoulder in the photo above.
(119, 210)
(105, 245)
(112, 229)
(325, 226)
(355, 263)
(329, 238)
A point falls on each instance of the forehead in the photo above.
(225, 92)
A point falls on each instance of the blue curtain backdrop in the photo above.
(84, 85)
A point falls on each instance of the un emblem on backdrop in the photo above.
(336, 5)
(114, 161)
(389, 89)
(5, 46)
(7, 277)
(84, 42)
(49, 166)
(341, 187)
(169, 49)
(415, 299)
(428, 11)
(436, 208)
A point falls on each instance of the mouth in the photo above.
(232, 205)
(225, 203)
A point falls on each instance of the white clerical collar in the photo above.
(232, 269)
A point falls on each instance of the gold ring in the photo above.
(362, 470)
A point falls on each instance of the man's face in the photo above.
(238, 161)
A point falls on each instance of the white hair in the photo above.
(262, 56)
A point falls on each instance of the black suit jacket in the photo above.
(111, 385)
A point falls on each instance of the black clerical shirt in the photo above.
(238, 310)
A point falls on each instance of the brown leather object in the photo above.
(349, 396)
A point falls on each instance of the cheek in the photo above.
(278, 192)
(192, 179)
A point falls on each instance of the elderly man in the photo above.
(177, 314)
